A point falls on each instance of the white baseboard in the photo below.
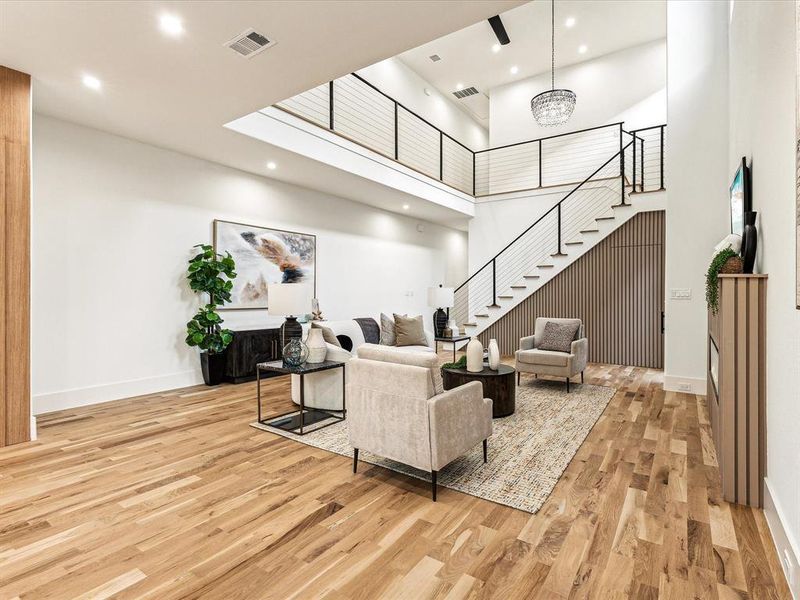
(34, 434)
(688, 385)
(51, 401)
(787, 547)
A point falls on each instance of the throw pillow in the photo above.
(409, 330)
(558, 337)
(327, 334)
(388, 336)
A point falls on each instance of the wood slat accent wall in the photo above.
(15, 193)
(737, 335)
(617, 289)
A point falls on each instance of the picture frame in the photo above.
(264, 255)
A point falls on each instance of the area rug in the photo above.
(528, 450)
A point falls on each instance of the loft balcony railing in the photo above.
(357, 110)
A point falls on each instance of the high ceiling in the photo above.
(467, 57)
(177, 93)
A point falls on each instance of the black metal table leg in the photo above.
(258, 388)
(302, 401)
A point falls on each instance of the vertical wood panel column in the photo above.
(15, 195)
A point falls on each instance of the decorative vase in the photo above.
(295, 353)
(494, 355)
(213, 367)
(749, 241)
(439, 321)
(316, 346)
(474, 356)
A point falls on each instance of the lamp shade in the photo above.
(441, 297)
(288, 299)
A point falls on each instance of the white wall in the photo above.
(394, 78)
(762, 125)
(628, 85)
(113, 224)
(697, 177)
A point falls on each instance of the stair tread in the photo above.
(481, 316)
(589, 230)
(518, 287)
(572, 243)
(544, 266)
(470, 324)
(505, 297)
(611, 218)
(531, 276)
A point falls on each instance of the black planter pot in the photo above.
(749, 241)
(213, 366)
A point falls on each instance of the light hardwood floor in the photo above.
(173, 496)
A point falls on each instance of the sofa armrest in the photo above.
(337, 353)
(580, 353)
(527, 343)
(459, 419)
(430, 339)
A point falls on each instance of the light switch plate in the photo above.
(680, 293)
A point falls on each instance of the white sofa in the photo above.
(323, 390)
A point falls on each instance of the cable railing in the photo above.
(355, 109)
(521, 261)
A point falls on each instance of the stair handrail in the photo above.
(556, 206)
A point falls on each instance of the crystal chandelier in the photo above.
(553, 107)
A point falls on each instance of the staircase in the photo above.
(628, 181)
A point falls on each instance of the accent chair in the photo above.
(530, 358)
(396, 408)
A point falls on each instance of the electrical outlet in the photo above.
(791, 569)
(680, 293)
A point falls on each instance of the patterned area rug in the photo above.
(528, 450)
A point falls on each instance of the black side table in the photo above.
(292, 420)
(498, 385)
(453, 339)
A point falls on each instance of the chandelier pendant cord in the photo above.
(552, 44)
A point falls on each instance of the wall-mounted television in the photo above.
(740, 198)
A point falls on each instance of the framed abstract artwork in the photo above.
(263, 256)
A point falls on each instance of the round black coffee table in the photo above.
(498, 385)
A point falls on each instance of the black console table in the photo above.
(248, 348)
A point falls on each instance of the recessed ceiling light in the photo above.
(271, 166)
(496, 48)
(514, 70)
(406, 207)
(582, 49)
(459, 86)
(570, 22)
(92, 82)
(171, 25)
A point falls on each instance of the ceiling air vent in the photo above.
(470, 91)
(435, 57)
(249, 43)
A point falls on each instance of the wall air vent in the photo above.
(470, 91)
(435, 58)
(249, 43)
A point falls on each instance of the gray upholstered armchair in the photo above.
(531, 359)
(396, 409)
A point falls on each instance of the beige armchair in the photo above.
(530, 359)
(396, 409)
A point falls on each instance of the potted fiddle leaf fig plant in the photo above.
(211, 274)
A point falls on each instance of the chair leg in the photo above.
(568, 385)
(518, 375)
(355, 460)
(485, 451)
(581, 376)
(433, 485)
